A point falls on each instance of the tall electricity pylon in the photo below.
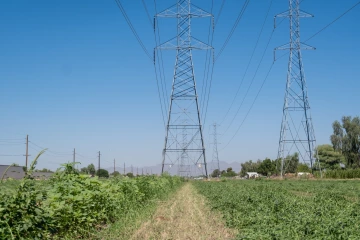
(215, 157)
(297, 132)
(184, 98)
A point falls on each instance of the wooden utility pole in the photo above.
(124, 168)
(137, 171)
(132, 169)
(74, 156)
(27, 152)
(99, 166)
(114, 166)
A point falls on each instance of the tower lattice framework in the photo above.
(215, 164)
(184, 146)
(297, 132)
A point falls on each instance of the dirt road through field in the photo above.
(184, 216)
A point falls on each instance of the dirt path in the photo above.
(184, 216)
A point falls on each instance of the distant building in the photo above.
(252, 175)
(14, 172)
(303, 174)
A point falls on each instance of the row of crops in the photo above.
(72, 205)
(287, 209)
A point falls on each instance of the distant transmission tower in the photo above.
(215, 157)
(297, 132)
(184, 98)
(184, 169)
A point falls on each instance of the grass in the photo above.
(126, 225)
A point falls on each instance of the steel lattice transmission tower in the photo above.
(215, 157)
(297, 132)
(184, 114)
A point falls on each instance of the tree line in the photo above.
(342, 153)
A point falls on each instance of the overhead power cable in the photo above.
(118, 2)
(162, 85)
(248, 65)
(207, 66)
(10, 155)
(261, 87)
(252, 105)
(50, 151)
(336, 19)
(252, 81)
(233, 29)
(220, 11)
(147, 12)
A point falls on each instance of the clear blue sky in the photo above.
(73, 75)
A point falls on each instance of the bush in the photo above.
(102, 173)
(74, 203)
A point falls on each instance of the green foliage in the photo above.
(329, 158)
(249, 166)
(342, 174)
(130, 174)
(291, 163)
(91, 169)
(346, 140)
(303, 168)
(215, 173)
(102, 173)
(116, 174)
(74, 205)
(229, 173)
(267, 167)
(287, 209)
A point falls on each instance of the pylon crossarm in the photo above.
(194, 44)
(193, 12)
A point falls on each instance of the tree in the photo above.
(249, 166)
(267, 167)
(102, 173)
(346, 139)
(329, 158)
(302, 168)
(229, 173)
(91, 169)
(15, 164)
(116, 174)
(84, 170)
(216, 173)
(291, 163)
(130, 174)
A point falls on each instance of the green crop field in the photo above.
(303, 209)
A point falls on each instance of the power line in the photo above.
(160, 65)
(252, 81)
(85, 157)
(132, 28)
(10, 155)
(207, 65)
(252, 105)
(220, 11)
(336, 19)
(233, 29)
(53, 152)
(248, 65)
(257, 95)
(147, 12)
